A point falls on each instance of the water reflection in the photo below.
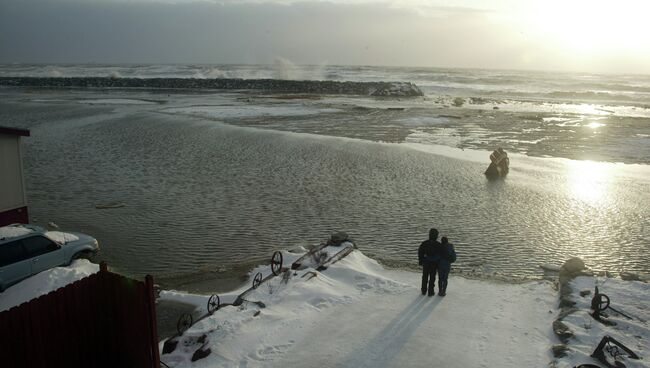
(595, 125)
(228, 197)
(589, 181)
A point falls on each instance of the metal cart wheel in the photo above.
(257, 280)
(603, 302)
(276, 263)
(213, 303)
(184, 323)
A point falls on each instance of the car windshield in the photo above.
(61, 237)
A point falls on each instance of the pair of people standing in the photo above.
(435, 257)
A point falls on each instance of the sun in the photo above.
(592, 26)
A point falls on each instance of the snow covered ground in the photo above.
(356, 313)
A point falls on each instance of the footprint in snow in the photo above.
(270, 352)
(364, 287)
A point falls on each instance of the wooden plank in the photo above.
(7, 341)
(151, 320)
(48, 330)
(36, 327)
(24, 324)
(87, 322)
(137, 355)
(64, 313)
(335, 258)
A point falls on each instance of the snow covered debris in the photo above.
(629, 297)
(44, 282)
(358, 314)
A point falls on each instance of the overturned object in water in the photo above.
(106, 206)
(500, 164)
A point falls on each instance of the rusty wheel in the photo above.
(276, 263)
(213, 303)
(184, 323)
(603, 302)
(257, 280)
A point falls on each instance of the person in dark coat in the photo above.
(444, 265)
(428, 257)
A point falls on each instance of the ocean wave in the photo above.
(597, 96)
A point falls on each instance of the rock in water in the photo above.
(338, 238)
(629, 276)
(562, 331)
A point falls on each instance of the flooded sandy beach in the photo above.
(213, 183)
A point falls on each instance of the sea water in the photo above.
(213, 182)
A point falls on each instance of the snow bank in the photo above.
(358, 314)
(629, 297)
(44, 282)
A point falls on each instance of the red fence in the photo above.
(103, 320)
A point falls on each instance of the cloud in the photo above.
(400, 33)
(202, 31)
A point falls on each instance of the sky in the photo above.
(573, 35)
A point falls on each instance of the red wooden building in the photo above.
(13, 196)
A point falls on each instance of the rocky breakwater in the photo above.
(385, 89)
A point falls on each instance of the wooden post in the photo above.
(151, 300)
(103, 267)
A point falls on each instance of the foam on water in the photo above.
(250, 111)
(116, 101)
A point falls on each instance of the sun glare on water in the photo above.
(588, 180)
(595, 125)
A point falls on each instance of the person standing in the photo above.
(428, 257)
(444, 265)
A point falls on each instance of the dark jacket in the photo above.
(429, 252)
(448, 256)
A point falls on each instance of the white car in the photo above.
(26, 250)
